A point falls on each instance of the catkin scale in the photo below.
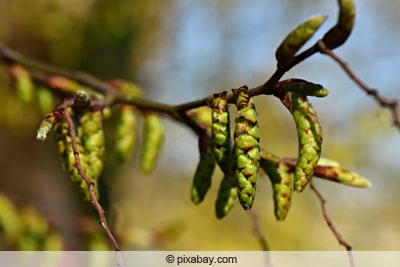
(246, 149)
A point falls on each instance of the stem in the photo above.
(89, 183)
(384, 102)
(257, 231)
(331, 226)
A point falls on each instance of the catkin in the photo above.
(246, 149)
(204, 171)
(281, 181)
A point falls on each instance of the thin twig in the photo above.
(331, 226)
(384, 102)
(89, 183)
(260, 236)
(257, 231)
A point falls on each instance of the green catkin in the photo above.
(309, 134)
(153, 134)
(23, 83)
(204, 171)
(227, 195)
(130, 89)
(45, 99)
(246, 150)
(298, 37)
(281, 181)
(25, 229)
(125, 133)
(90, 144)
(10, 221)
(65, 85)
(92, 135)
(335, 172)
(220, 131)
(337, 35)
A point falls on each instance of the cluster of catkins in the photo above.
(239, 156)
(87, 120)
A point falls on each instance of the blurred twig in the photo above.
(257, 231)
(384, 102)
(331, 226)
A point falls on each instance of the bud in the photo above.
(300, 87)
(298, 37)
(337, 35)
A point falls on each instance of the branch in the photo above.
(113, 96)
(384, 102)
(89, 183)
(331, 226)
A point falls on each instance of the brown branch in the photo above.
(89, 183)
(331, 226)
(384, 102)
(113, 96)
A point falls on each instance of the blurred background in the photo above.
(180, 51)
